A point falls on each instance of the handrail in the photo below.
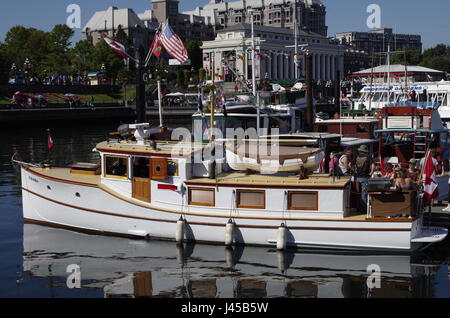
(24, 163)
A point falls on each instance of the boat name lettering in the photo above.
(33, 179)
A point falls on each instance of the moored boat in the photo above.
(152, 189)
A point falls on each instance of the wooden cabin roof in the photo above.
(164, 148)
(267, 181)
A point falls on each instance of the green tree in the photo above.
(57, 59)
(4, 65)
(437, 58)
(413, 57)
(195, 53)
(180, 78)
(202, 74)
(103, 54)
(15, 42)
(81, 56)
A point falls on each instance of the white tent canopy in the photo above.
(396, 68)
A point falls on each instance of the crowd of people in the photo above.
(66, 80)
(57, 80)
(363, 167)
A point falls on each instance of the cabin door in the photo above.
(141, 179)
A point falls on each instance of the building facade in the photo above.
(230, 53)
(311, 14)
(377, 41)
(142, 27)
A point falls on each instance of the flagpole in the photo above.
(213, 75)
(160, 105)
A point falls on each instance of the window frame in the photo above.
(238, 199)
(110, 176)
(190, 202)
(289, 201)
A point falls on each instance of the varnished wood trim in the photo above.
(105, 157)
(140, 153)
(266, 186)
(238, 199)
(213, 190)
(105, 189)
(316, 208)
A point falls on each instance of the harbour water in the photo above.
(36, 261)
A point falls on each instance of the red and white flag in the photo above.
(117, 47)
(50, 141)
(173, 44)
(430, 182)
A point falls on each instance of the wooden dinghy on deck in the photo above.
(271, 157)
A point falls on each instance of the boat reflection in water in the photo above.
(129, 268)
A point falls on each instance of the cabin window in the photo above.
(249, 199)
(303, 201)
(141, 167)
(116, 167)
(202, 196)
(172, 168)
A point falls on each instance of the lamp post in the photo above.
(13, 70)
(27, 70)
(103, 71)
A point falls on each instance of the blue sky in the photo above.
(427, 18)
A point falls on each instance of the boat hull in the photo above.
(94, 209)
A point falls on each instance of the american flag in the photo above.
(173, 44)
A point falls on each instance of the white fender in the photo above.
(282, 237)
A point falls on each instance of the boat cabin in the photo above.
(175, 177)
(354, 128)
(408, 132)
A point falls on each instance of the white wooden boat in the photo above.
(156, 191)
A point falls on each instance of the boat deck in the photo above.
(242, 178)
(64, 174)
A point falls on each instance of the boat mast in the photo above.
(161, 125)
(255, 99)
(212, 102)
(389, 72)
(296, 41)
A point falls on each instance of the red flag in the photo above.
(157, 45)
(430, 183)
(50, 142)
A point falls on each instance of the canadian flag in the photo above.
(430, 183)
(117, 47)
